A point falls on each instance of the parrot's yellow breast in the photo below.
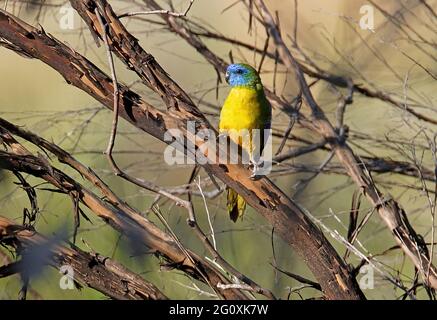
(242, 109)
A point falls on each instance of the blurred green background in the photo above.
(36, 97)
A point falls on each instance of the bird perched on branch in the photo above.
(245, 109)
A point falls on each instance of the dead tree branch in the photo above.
(93, 270)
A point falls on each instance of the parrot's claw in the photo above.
(254, 168)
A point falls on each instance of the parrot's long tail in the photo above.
(235, 204)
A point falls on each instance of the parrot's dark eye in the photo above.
(239, 71)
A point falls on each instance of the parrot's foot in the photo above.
(254, 166)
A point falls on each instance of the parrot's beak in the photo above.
(227, 77)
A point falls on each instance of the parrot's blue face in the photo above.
(242, 75)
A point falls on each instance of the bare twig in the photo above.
(111, 141)
(208, 216)
(162, 11)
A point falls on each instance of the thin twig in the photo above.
(208, 215)
(170, 13)
(111, 141)
(296, 103)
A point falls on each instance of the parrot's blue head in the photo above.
(242, 75)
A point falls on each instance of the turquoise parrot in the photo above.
(246, 108)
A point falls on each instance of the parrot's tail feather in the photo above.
(235, 204)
